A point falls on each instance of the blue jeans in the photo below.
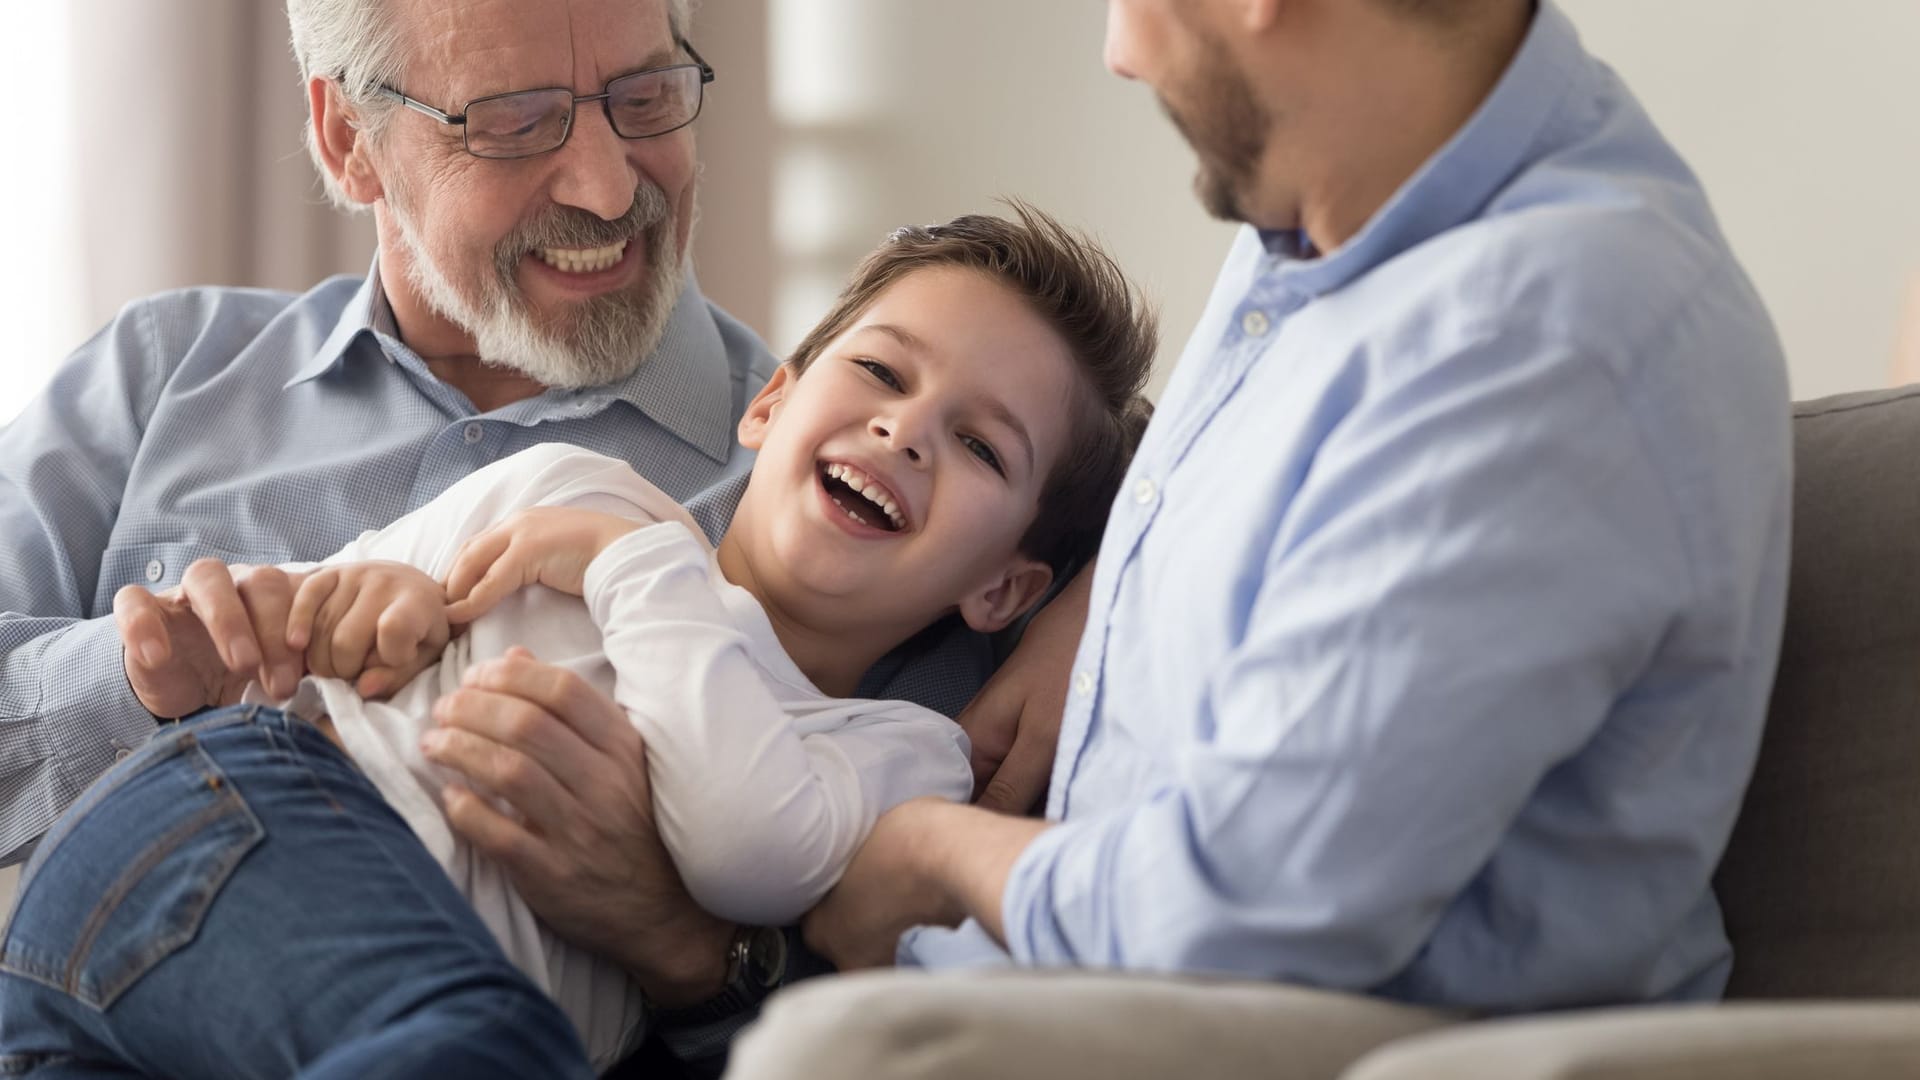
(237, 900)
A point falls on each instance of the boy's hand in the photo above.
(545, 545)
(376, 623)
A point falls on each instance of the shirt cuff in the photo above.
(1049, 890)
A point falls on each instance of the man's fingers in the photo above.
(494, 834)
(1016, 786)
(143, 626)
(215, 601)
(561, 694)
(529, 783)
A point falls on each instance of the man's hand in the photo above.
(1014, 722)
(376, 623)
(545, 545)
(928, 862)
(584, 852)
(196, 646)
(881, 896)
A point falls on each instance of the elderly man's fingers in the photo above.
(267, 593)
(562, 694)
(143, 626)
(528, 782)
(1021, 779)
(215, 600)
(497, 836)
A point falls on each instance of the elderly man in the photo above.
(532, 181)
(1430, 641)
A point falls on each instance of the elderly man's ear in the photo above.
(337, 133)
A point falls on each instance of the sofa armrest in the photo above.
(1770, 1041)
(1010, 1025)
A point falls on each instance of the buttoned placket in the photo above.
(1250, 332)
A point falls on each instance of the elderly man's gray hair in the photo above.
(355, 42)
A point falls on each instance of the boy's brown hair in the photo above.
(1078, 290)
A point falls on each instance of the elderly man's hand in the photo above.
(583, 850)
(196, 646)
(1014, 722)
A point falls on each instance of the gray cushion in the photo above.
(1821, 885)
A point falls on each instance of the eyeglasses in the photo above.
(528, 122)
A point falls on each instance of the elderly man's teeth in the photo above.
(582, 260)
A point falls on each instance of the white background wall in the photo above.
(1797, 116)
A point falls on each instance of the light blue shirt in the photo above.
(255, 426)
(1433, 629)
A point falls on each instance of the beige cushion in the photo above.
(907, 1025)
(1821, 885)
(1735, 1042)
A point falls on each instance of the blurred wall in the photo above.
(880, 112)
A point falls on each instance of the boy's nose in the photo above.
(893, 434)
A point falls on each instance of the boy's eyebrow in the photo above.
(994, 407)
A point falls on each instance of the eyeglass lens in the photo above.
(535, 121)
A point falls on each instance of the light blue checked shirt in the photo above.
(257, 426)
(1432, 632)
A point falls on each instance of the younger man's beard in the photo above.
(1227, 129)
(597, 341)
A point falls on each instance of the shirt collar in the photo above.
(1457, 182)
(366, 313)
(686, 386)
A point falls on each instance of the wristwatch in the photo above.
(756, 963)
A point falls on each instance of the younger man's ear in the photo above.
(759, 416)
(991, 608)
(343, 148)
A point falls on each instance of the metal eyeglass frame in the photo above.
(460, 119)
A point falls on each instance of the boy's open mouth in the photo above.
(861, 497)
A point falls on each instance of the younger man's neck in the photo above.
(831, 657)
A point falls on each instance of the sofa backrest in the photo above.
(1821, 884)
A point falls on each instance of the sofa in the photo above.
(1820, 886)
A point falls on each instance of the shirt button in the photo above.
(474, 433)
(156, 570)
(1144, 491)
(122, 754)
(1083, 684)
(1255, 323)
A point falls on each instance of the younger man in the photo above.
(240, 898)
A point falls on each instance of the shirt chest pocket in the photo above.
(158, 566)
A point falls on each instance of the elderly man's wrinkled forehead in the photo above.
(462, 49)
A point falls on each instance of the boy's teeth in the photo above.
(859, 482)
(582, 260)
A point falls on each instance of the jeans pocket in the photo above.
(128, 877)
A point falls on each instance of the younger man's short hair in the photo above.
(1078, 290)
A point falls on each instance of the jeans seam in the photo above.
(131, 879)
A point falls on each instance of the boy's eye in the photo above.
(879, 371)
(984, 452)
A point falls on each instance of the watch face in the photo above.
(767, 956)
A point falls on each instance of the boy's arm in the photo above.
(760, 820)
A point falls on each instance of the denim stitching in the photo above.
(69, 980)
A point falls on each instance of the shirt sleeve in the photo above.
(65, 707)
(1481, 559)
(761, 820)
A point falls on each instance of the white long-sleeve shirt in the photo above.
(763, 786)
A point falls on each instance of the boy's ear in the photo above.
(759, 415)
(1023, 582)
